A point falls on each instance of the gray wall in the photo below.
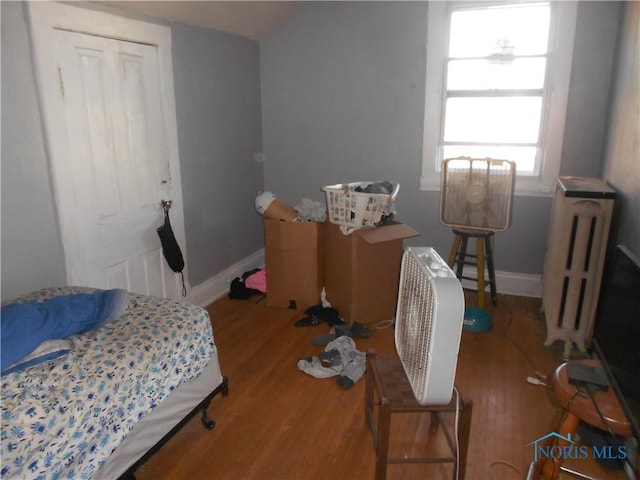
(217, 83)
(622, 161)
(343, 100)
(591, 75)
(32, 254)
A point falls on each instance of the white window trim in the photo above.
(555, 110)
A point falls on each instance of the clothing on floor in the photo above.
(257, 281)
(344, 361)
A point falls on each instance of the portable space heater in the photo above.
(429, 321)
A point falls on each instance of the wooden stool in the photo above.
(580, 408)
(484, 252)
(387, 382)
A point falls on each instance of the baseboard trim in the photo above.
(509, 283)
(216, 287)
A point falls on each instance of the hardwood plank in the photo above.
(280, 423)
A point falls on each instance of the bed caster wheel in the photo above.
(208, 423)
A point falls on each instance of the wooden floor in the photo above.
(280, 423)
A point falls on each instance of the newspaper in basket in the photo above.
(352, 208)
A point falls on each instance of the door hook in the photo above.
(166, 204)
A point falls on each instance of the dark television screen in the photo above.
(617, 330)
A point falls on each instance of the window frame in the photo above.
(555, 93)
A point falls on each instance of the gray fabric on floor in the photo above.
(350, 364)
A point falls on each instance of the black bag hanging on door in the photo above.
(170, 247)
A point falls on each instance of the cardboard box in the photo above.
(362, 270)
(293, 260)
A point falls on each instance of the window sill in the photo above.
(525, 187)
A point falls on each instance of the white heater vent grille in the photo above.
(429, 321)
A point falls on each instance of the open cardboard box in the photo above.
(362, 270)
(293, 261)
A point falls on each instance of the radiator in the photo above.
(574, 259)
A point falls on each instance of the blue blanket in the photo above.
(25, 326)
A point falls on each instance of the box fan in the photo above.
(429, 320)
(477, 193)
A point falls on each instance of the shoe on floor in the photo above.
(360, 330)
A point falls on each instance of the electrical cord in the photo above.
(554, 439)
(522, 350)
(455, 431)
(615, 437)
(382, 324)
(508, 464)
(538, 379)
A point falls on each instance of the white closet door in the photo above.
(111, 161)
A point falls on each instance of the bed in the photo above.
(114, 397)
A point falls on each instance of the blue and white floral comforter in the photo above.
(63, 419)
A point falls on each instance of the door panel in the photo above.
(106, 114)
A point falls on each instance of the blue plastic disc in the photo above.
(476, 320)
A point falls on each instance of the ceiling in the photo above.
(250, 19)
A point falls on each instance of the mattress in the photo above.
(154, 426)
(65, 418)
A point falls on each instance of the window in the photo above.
(497, 85)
